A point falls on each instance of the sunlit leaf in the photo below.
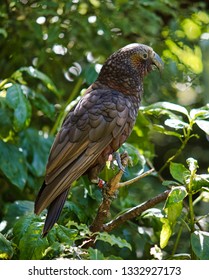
(200, 113)
(173, 208)
(199, 182)
(176, 195)
(174, 204)
(165, 233)
(178, 171)
(161, 106)
(177, 124)
(204, 125)
(173, 211)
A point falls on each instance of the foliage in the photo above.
(47, 61)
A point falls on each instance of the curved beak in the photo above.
(157, 62)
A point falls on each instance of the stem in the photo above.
(187, 136)
(129, 182)
(177, 240)
(191, 213)
(191, 206)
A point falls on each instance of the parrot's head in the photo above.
(125, 69)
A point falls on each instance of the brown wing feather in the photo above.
(86, 132)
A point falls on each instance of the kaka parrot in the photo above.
(96, 126)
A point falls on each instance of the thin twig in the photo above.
(129, 182)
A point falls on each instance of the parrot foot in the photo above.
(117, 157)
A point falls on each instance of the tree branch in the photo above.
(135, 211)
(109, 193)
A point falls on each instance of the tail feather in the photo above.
(54, 211)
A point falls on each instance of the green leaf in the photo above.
(95, 254)
(113, 240)
(165, 233)
(204, 125)
(161, 106)
(21, 226)
(40, 102)
(177, 194)
(178, 171)
(5, 122)
(28, 232)
(90, 74)
(168, 183)
(173, 208)
(161, 129)
(13, 164)
(41, 76)
(6, 249)
(173, 212)
(36, 148)
(6, 116)
(74, 207)
(177, 124)
(16, 100)
(174, 204)
(174, 107)
(200, 181)
(200, 244)
(17, 209)
(66, 235)
(44, 106)
(201, 113)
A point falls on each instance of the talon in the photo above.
(118, 160)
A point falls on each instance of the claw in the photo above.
(117, 157)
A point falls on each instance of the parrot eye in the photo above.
(144, 56)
